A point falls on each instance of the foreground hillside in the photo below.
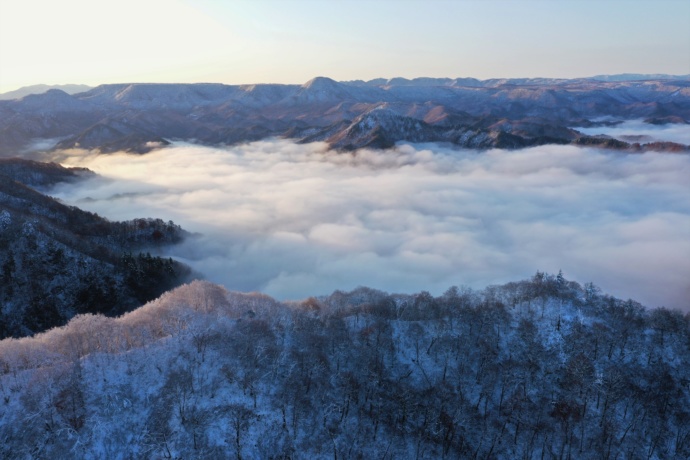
(543, 368)
(57, 261)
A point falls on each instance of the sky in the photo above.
(291, 41)
(294, 220)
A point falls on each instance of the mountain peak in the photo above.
(53, 100)
(52, 93)
(320, 90)
(318, 83)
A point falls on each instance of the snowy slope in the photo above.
(543, 367)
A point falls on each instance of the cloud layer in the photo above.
(298, 220)
(639, 131)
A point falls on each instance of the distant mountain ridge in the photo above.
(505, 113)
(40, 89)
(468, 81)
(637, 76)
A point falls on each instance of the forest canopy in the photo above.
(540, 367)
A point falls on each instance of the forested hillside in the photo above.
(57, 261)
(541, 368)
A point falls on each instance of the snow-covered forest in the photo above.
(540, 368)
(57, 261)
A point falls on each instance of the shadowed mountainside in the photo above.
(57, 261)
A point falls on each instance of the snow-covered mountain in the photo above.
(138, 116)
(380, 127)
(112, 358)
(638, 76)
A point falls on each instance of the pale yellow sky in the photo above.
(86, 41)
(290, 41)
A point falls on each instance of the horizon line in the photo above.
(643, 76)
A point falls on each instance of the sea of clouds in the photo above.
(297, 220)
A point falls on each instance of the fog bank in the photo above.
(298, 220)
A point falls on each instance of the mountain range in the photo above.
(124, 361)
(471, 113)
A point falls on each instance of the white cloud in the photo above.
(630, 130)
(297, 220)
